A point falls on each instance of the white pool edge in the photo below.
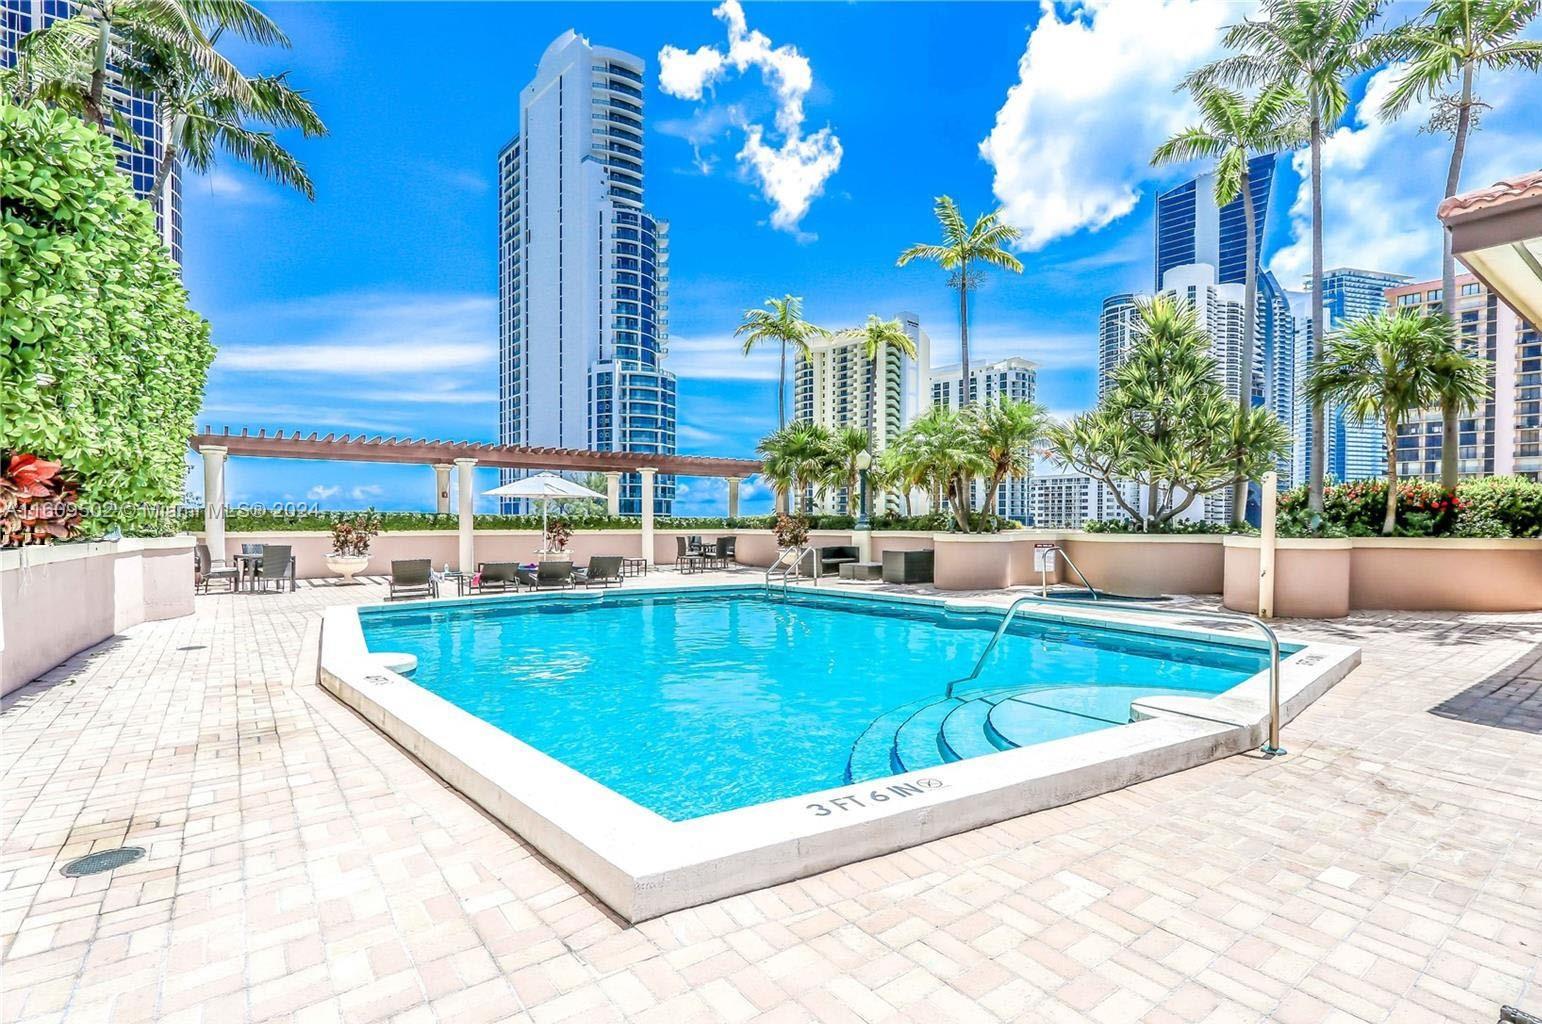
(642, 865)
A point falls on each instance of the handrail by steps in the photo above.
(1270, 748)
(787, 570)
(1090, 588)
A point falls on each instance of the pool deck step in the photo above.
(963, 731)
(872, 755)
(1026, 720)
(918, 743)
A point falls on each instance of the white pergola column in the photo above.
(1266, 546)
(214, 499)
(613, 493)
(466, 507)
(733, 497)
(647, 513)
(442, 488)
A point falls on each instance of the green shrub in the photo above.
(1510, 500)
(102, 364)
(1172, 526)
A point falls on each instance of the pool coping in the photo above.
(642, 865)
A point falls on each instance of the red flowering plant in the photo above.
(558, 531)
(38, 501)
(1358, 508)
(351, 534)
(790, 531)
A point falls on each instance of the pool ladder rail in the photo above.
(1044, 573)
(1271, 747)
(788, 568)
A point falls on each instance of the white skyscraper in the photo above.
(1013, 377)
(830, 387)
(1114, 336)
(583, 279)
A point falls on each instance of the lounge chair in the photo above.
(687, 560)
(603, 571)
(498, 576)
(413, 577)
(205, 569)
(277, 564)
(548, 576)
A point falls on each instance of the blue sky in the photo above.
(374, 309)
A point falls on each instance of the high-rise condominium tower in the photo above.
(1115, 335)
(139, 161)
(583, 269)
(1190, 228)
(1504, 434)
(1354, 449)
(833, 388)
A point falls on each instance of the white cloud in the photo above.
(1050, 351)
(791, 173)
(1382, 181)
(1094, 97)
(721, 357)
(365, 491)
(368, 336)
(322, 493)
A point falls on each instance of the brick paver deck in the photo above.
(302, 867)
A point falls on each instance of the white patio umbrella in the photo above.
(545, 486)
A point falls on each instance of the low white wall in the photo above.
(57, 601)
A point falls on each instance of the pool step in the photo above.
(918, 743)
(1044, 715)
(963, 731)
(872, 755)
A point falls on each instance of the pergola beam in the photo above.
(408, 451)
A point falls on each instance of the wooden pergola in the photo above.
(463, 456)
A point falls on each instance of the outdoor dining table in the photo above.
(247, 564)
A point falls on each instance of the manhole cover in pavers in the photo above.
(107, 860)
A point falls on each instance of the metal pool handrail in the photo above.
(1272, 747)
(1090, 588)
(797, 554)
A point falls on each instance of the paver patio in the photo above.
(300, 866)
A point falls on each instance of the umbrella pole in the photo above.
(545, 542)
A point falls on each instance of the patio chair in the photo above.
(205, 570)
(687, 560)
(277, 564)
(252, 549)
(603, 571)
(413, 577)
(498, 576)
(716, 557)
(548, 576)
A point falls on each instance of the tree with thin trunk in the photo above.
(1453, 42)
(878, 338)
(1232, 130)
(796, 456)
(781, 321)
(200, 116)
(1388, 366)
(1316, 46)
(965, 249)
(847, 445)
(1008, 429)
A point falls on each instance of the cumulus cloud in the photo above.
(1382, 181)
(790, 172)
(1094, 97)
(322, 492)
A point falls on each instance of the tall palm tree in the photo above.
(781, 321)
(1315, 45)
(963, 248)
(1390, 364)
(1008, 429)
(101, 34)
(1231, 131)
(943, 453)
(1454, 41)
(201, 114)
(847, 446)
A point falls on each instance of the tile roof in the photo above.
(1521, 187)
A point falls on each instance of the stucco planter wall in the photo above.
(1446, 574)
(1311, 577)
(58, 601)
(1140, 566)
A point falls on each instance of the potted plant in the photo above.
(351, 535)
(790, 531)
(557, 533)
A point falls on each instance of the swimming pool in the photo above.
(695, 703)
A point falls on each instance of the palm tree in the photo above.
(797, 455)
(1455, 41)
(101, 34)
(1232, 130)
(1008, 429)
(1315, 45)
(963, 246)
(780, 321)
(200, 114)
(847, 446)
(879, 337)
(1389, 365)
(943, 453)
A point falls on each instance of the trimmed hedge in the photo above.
(102, 363)
(1497, 506)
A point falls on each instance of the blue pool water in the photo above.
(694, 703)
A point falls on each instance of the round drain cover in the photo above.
(107, 860)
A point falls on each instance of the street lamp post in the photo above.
(864, 462)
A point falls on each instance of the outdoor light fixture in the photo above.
(864, 462)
